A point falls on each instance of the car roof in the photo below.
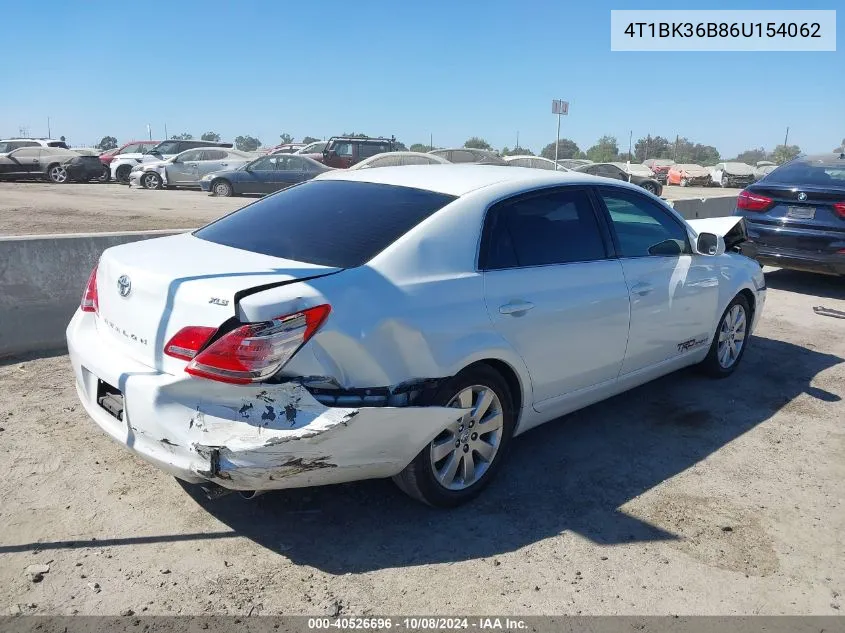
(833, 158)
(460, 179)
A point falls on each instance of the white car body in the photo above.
(418, 312)
(133, 160)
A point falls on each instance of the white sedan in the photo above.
(401, 322)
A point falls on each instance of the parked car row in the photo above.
(52, 163)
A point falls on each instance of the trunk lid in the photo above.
(820, 228)
(150, 290)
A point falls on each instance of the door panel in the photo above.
(553, 293)
(568, 322)
(674, 294)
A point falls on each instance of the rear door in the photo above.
(674, 294)
(554, 292)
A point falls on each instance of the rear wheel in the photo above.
(151, 180)
(464, 457)
(684, 182)
(105, 175)
(650, 187)
(57, 174)
(122, 174)
(222, 188)
(729, 341)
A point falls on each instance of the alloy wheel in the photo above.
(463, 452)
(732, 336)
(58, 174)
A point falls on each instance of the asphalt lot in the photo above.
(684, 496)
(35, 208)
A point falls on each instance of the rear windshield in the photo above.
(329, 223)
(810, 172)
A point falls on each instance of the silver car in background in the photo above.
(187, 168)
(398, 159)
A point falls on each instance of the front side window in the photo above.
(343, 149)
(558, 227)
(268, 163)
(167, 147)
(642, 227)
(189, 157)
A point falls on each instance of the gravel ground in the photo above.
(34, 208)
(685, 496)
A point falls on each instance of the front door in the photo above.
(184, 169)
(674, 293)
(553, 291)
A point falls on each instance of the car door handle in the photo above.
(642, 289)
(224, 164)
(516, 308)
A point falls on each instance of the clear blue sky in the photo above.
(453, 69)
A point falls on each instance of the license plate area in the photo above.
(801, 213)
(110, 398)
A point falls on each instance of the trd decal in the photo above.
(691, 344)
(219, 302)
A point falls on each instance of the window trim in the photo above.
(616, 243)
(484, 243)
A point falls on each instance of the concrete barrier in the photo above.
(42, 278)
(698, 208)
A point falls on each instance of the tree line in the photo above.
(606, 149)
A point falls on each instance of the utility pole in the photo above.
(786, 138)
(630, 138)
(517, 139)
(49, 135)
(430, 142)
(165, 132)
(675, 154)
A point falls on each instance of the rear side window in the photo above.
(329, 223)
(559, 227)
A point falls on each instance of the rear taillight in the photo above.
(752, 202)
(89, 297)
(250, 353)
(839, 207)
(188, 341)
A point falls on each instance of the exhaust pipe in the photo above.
(251, 494)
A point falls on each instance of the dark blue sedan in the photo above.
(263, 175)
(795, 215)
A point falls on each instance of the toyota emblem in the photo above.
(124, 285)
(802, 196)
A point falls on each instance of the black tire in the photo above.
(222, 188)
(650, 187)
(150, 180)
(122, 174)
(711, 365)
(418, 479)
(57, 174)
(684, 182)
(105, 176)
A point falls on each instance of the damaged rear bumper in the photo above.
(244, 437)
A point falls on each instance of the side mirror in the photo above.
(710, 244)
